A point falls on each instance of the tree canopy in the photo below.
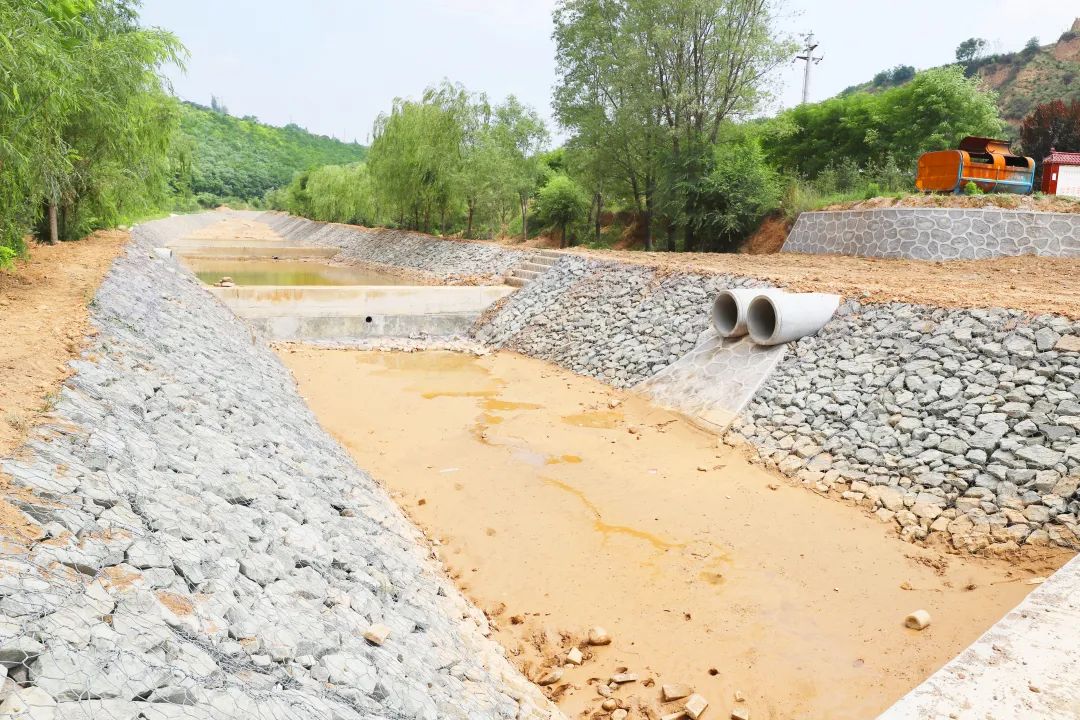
(86, 123)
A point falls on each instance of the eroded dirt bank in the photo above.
(559, 503)
(44, 311)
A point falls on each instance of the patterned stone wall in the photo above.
(936, 233)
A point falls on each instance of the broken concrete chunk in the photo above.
(674, 691)
(695, 706)
(740, 713)
(918, 620)
(624, 677)
(377, 634)
(574, 657)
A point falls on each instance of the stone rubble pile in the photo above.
(448, 260)
(616, 322)
(184, 541)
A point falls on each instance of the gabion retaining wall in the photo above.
(619, 323)
(185, 541)
(960, 422)
(445, 259)
(936, 233)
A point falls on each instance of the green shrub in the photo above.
(972, 189)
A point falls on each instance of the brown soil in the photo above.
(1033, 284)
(1046, 203)
(558, 504)
(44, 303)
(768, 238)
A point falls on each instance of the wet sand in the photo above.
(558, 503)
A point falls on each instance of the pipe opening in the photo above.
(367, 319)
(761, 318)
(725, 313)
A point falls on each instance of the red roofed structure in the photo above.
(1061, 173)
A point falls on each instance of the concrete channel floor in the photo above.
(556, 511)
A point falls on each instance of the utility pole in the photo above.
(810, 60)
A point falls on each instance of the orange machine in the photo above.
(983, 161)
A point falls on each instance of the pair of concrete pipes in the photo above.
(771, 316)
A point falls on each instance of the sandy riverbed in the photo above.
(556, 511)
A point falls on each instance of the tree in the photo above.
(562, 203)
(1053, 125)
(934, 111)
(85, 122)
(520, 135)
(970, 50)
(651, 82)
(1030, 48)
(741, 188)
(416, 155)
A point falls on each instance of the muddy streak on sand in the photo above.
(552, 523)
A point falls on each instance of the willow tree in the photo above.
(85, 120)
(416, 156)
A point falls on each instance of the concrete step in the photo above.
(549, 253)
(526, 274)
(543, 260)
(535, 267)
(516, 282)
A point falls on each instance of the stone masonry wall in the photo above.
(448, 260)
(185, 541)
(936, 233)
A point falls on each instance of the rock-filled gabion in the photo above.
(184, 541)
(960, 422)
(616, 322)
(447, 260)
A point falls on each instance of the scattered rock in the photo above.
(599, 636)
(377, 634)
(740, 713)
(624, 677)
(574, 657)
(550, 677)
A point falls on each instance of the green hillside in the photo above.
(242, 158)
(1023, 79)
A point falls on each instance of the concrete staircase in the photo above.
(536, 264)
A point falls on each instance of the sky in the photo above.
(332, 66)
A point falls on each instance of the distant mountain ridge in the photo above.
(1023, 79)
(243, 158)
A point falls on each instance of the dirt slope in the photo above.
(44, 318)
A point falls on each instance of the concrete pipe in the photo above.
(775, 319)
(730, 306)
